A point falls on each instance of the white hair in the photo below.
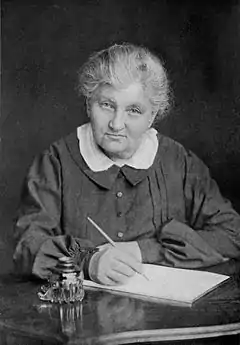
(120, 65)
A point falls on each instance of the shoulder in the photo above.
(170, 150)
(62, 146)
(64, 142)
(167, 144)
(55, 155)
(173, 154)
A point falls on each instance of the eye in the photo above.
(135, 111)
(106, 105)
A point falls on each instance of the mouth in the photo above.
(116, 136)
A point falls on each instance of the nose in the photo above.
(117, 122)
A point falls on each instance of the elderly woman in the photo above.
(154, 198)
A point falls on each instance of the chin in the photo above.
(113, 149)
(116, 151)
(115, 154)
(118, 155)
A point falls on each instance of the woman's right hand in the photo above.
(111, 266)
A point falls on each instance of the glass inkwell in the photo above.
(65, 285)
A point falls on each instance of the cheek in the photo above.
(98, 122)
(139, 128)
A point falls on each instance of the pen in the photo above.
(108, 239)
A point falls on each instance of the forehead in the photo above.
(132, 93)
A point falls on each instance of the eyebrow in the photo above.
(106, 98)
(137, 105)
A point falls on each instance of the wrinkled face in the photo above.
(119, 118)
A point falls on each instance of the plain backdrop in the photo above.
(44, 44)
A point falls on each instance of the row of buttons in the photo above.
(119, 214)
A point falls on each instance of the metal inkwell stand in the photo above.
(65, 285)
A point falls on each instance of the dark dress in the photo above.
(174, 210)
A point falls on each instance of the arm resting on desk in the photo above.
(211, 233)
(40, 238)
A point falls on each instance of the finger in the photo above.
(116, 278)
(108, 281)
(130, 261)
(122, 268)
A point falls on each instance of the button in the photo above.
(119, 214)
(119, 194)
(120, 234)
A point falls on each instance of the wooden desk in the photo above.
(104, 318)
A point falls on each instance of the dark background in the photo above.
(45, 42)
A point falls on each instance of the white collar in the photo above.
(97, 161)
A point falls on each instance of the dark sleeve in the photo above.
(38, 232)
(151, 250)
(212, 231)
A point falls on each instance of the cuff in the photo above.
(86, 262)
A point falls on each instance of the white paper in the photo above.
(181, 285)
